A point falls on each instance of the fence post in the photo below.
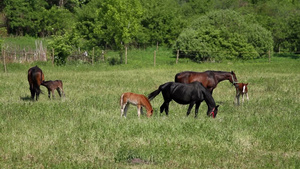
(177, 56)
(157, 45)
(93, 55)
(4, 63)
(52, 57)
(125, 55)
(269, 55)
(154, 58)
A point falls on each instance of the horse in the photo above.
(54, 85)
(241, 89)
(135, 99)
(209, 79)
(193, 93)
(35, 79)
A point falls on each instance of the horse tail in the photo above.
(160, 88)
(121, 100)
(153, 94)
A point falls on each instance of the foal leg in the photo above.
(49, 95)
(124, 109)
(238, 99)
(247, 96)
(243, 97)
(58, 91)
(52, 90)
(139, 107)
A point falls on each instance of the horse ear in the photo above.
(217, 106)
(232, 72)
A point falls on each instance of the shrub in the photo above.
(61, 49)
(223, 34)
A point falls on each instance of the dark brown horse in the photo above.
(35, 79)
(54, 85)
(209, 79)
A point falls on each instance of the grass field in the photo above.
(84, 129)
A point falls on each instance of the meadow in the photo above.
(85, 130)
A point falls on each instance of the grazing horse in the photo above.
(35, 79)
(135, 99)
(241, 89)
(209, 79)
(54, 85)
(193, 93)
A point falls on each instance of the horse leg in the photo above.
(49, 95)
(162, 107)
(52, 90)
(197, 108)
(37, 93)
(165, 106)
(247, 96)
(32, 93)
(142, 110)
(139, 107)
(58, 91)
(63, 93)
(124, 109)
(238, 99)
(243, 98)
(189, 109)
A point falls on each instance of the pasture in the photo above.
(85, 130)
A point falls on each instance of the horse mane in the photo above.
(215, 71)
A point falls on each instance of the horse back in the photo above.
(35, 76)
(190, 76)
(136, 99)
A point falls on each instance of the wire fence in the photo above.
(40, 53)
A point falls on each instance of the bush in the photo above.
(221, 35)
(61, 49)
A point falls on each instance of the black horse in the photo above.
(193, 93)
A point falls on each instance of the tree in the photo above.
(110, 22)
(162, 21)
(223, 34)
(30, 17)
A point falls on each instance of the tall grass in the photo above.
(85, 130)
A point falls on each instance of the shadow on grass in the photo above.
(26, 98)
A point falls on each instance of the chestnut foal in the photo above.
(241, 89)
(135, 99)
(54, 85)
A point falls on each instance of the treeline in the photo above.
(198, 28)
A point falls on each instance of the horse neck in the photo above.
(223, 76)
(209, 99)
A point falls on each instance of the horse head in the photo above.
(214, 112)
(150, 113)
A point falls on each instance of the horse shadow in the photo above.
(25, 98)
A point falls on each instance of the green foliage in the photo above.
(223, 34)
(62, 49)
(33, 18)
(161, 25)
(110, 22)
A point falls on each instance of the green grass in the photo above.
(84, 130)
